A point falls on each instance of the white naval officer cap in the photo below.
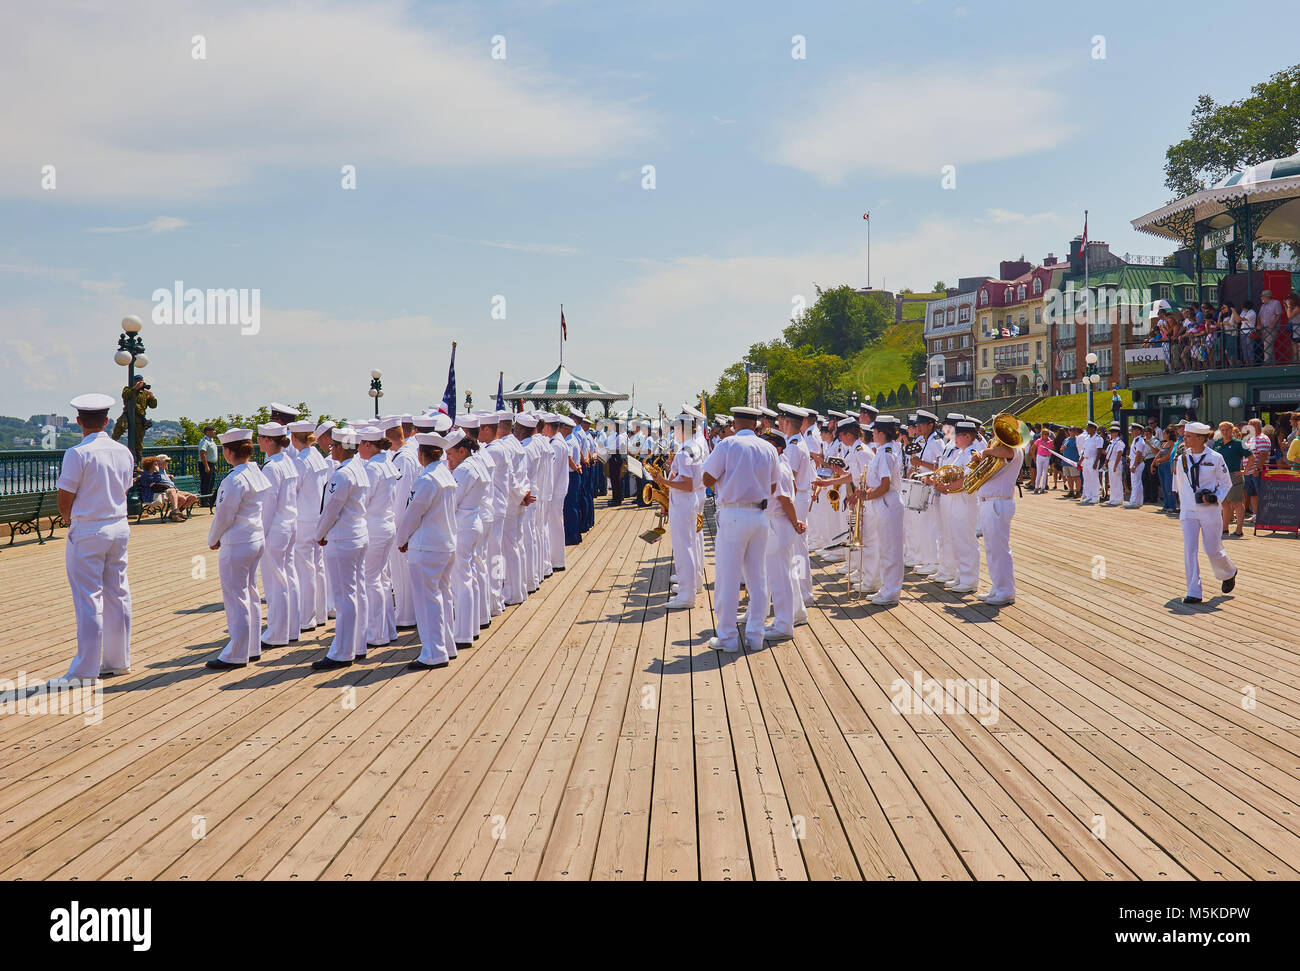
(566, 420)
(454, 437)
(744, 411)
(304, 427)
(272, 429)
(871, 409)
(969, 427)
(430, 438)
(923, 415)
(794, 411)
(370, 433)
(886, 421)
(847, 424)
(236, 435)
(346, 438)
(837, 415)
(953, 417)
(276, 408)
(911, 418)
(693, 412)
(92, 402)
(769, 412)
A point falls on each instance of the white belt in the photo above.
(739, 505)
(992, 498)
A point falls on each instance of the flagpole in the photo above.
(1087, 335)
(561, 335)
(868, 249)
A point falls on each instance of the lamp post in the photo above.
(376, 388)
(130, 355)
(1091, 378)
(938, 391)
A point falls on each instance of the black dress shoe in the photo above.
(406, 626)
(368, 644)
(1191, 600)
(254, 657)
(329, 664)
(1229, 583)
(421, 666)
(293, 640)
(559, 569)
(220, 665)
(463, 647)
(485, 626)
(513, 603)
(266, 644)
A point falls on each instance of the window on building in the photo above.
(950, 340)
(1067, 361)
(1161, 291)
(986, 389)
(1038, 350)
(1211, 294)
(1038, 286)
(1103, 358)
(963, 314)
(952, 315)
(1006, 295)
(1189, 293)
(984, 298)
(965, 340)
(1020, 292)
(984, 358)
(1038, 315)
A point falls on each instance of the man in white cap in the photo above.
(929, 459)
(997, 506)
(279, 520)
(790, 419)
(485, 467)
(514, 542)
(381, 528)
(94, 479)
(785, 529)
(1091, 454)
(948, 520)
(561, 465)
(1114, 462)
(680, 483)
(525, 424)
(426, 535)
(743, 471)
(960, 515)
(498, 462)
(1202, 479)
(308, 557)
(404, 458)
(341, 530)
(1138, 450)
(574, 513)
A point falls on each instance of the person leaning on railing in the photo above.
(1292, 328)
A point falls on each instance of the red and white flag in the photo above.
(564, 329)
(866, 215)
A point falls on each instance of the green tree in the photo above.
(939, 287)
(1223, 138)
(904, 395)
(841, 321)
(192, 431)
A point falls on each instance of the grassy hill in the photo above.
(887, 363)
(1072, 409)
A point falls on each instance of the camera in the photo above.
(1207, 497)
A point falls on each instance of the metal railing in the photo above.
(1263, 347)
(37, 470)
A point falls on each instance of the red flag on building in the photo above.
(564, 329)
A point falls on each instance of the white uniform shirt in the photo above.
(1002, 484)
(1209, 471)
(342, 521)
(858, 457)
(406, 460)
(795, 455)
(237, 514)
(886, 463)
(313, 474)
(487, 463)
(687, 464)
(1089, 447)
(428, 523)
(99, 471)
(381, 519)
(502, 474)
(932, 451)
(745, 468)
(560, 467)
(280, 505)
(517, 481)
(1137, 451)
(539, 470)
(784, 487)
(1114, 453)
(471, 486)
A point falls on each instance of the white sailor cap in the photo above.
(407, 419)
(92, 402)
(430, 438)
(923, 415)
(693, 412)
(272, 429)
(525, 419)
(276, 408)
(504, 414)
(793, 411)
(566, 420)
(837, 415)
(1091, 424)
(868, 408)
(1116, 427)
(454, 437)
(392, 421)
(953, 417)
(325, 426)
(964, 425)
(346, 438)
(370, 433)
(1138, 426)
(745, 411)
(769, 412)
(469, 420)
(236, 435)
(1196, 428)
(423, 421)
(848, 424)
(886, 421)
(911, 418)
(303, 427)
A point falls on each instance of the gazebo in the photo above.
(1260, 203)
(563, 385)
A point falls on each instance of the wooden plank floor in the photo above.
(1096, 730)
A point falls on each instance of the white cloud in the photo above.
(1008, 216)
(917, 122)
(548, 249)
(159, 224)
(114, 100)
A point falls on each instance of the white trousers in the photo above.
(399, 574)
(741, 545)
(927, 554)
(95, 558)
(497, 564)
(514, 552)
(699, 536)
(430, 573)
(465, 619)
(1116, 481)
(888, 518)
(556, 524)
(309, 563)
(482, 581)
(947, 553)
(280, 581)
(995, 522)
(381, 621)
(238, 566)
(783, 569)
(543, 527)
(802, 501)
(347, 578)
(1136, 493)
(911, 535)
(1091, 482)
(1203, 523)
(1041, 465)
(681, 530)
(961, 519)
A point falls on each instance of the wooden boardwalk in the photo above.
(590, 734)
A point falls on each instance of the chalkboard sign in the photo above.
(1278, 506)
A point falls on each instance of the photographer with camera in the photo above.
(136, 400)
(1202, 479)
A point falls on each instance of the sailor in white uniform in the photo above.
(997, 506)
(238, 534)
(525, 431)
(485, 467)
(683, 477)
(471, 487)
(928, 460)
(1091, 447)
(308, 557)
(1202, 479)
(790, 420)
(961, 513)
(426, 536)
(519, 496)
(884, 478)
(1137, 457)
(952, 454)
(279, 520)
(402, 454)
(785, 534)
(95, 477)
(381, 528)
(742, 471)
(341, 530)
(490, 438)
(1115, 465)
(561, 465)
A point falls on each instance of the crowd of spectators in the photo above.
(1202, 336)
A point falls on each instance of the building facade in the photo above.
(1010, 335)
(950, 354)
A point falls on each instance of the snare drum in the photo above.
(915, 494)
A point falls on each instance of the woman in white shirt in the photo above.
(381, 527)
(426, 533)
(237, 534)
(279, 517)
(470, 489)
(884, 478)
(308, 557)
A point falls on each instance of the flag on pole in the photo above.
(1083, 245)
(564, 329)
(501, 401)
(449, 396)
(866, 215)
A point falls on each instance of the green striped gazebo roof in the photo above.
(562, 385)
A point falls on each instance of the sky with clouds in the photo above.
(521, 177)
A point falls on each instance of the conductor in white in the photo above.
(742, 471)
(1202, 480)
(93, 482)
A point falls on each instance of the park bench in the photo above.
(22, 512)
(184, 483)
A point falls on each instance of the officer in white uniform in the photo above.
(1114, 460)
(997, 505)
(279, 521)
(884, 477)
(308, 557)
(952, 454)
(519, 496)
(742, 471)
(341, 530)
(785, 532)
(525, 424)
(95, 477)
(541, 468)
(683, 477)
(1090, 448)
(961, 513)
(471, 488)
(1137, 457)
(402, 455)
(485, 467)
(928, 460)
(790, 420)
(491, 437)
(561, 465)
(238, 534)
(381, 529)
(426, 535)
(1202, 480)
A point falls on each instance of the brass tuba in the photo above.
(1006, 431)
(652, 494)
